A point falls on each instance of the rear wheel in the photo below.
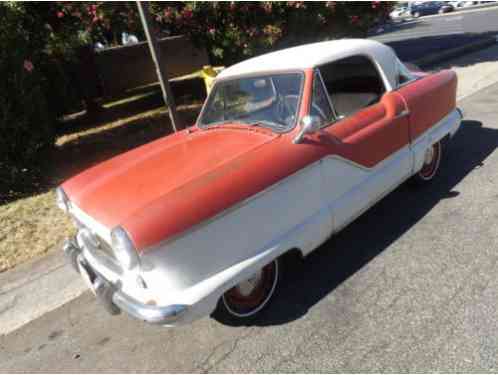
(245, 300)
(416, 15)
(432, 159)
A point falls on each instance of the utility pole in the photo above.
(162, 74)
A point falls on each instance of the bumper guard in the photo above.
(112, 297)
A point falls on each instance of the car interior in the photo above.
(352, 83)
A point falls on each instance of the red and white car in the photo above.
(290, 147)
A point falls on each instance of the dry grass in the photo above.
(34, 225)
(31, 227)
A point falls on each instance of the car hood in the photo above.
(130, 183)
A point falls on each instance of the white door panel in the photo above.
(349, 189)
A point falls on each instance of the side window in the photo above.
(352, 83)
(320, 105)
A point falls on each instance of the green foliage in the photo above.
(232, 31)
(26, 122)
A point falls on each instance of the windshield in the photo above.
(269, 101)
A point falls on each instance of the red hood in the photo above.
(125, 185)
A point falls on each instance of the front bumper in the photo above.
(113, 298)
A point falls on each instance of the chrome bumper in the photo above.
(112, 297)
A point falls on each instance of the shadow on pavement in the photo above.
(394, 26)
(415, 48)
(489, 54)
(308, 282)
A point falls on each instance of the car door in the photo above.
(366, 133)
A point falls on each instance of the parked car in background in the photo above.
(446, 8)
(464, 4)
(289, 148)
(399, 13)
(425, 8)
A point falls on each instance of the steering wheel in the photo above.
(315, 107)
(284, 110)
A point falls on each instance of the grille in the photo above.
(95, 243)
(105, 247)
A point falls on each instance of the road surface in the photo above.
(412, 285)
(417, 38)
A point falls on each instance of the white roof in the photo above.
(315, 54)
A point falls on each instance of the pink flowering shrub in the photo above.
(232, 31)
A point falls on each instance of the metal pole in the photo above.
(162, 74)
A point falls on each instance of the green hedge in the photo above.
(27, 122)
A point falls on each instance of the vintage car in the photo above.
(289, 148)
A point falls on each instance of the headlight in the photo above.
(123, 248)
(61, 199)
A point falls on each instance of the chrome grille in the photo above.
(105, 247)
(100, 250)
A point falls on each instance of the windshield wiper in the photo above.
(263, 123)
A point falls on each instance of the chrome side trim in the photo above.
(402, 114)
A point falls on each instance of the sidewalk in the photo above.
(35, 288)
(475, 71)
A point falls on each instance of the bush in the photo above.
(232, 31)
(26, 122)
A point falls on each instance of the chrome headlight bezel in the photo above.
(61, 199)
(123, 248)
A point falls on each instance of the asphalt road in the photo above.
(412, 285)
(417, 38)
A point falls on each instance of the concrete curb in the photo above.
(454, 52)
(32, 289)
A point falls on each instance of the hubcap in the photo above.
(431, 162)
(429, 155)
(249, 296)
(245, 288)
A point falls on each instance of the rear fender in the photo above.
(429, 99)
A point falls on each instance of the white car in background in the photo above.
(398, 13)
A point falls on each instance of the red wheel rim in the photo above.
(431, 162)
(249, 296)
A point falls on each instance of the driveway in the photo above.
(412, 285)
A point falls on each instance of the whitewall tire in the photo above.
(243, 302)
(432, 160)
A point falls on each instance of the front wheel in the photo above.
(245, 300)
(432, 159)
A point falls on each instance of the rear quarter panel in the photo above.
(429, 99)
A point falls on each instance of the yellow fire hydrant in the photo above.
(209, 75)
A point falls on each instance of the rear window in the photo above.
(403, 74)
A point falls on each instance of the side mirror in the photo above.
(309, 125)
